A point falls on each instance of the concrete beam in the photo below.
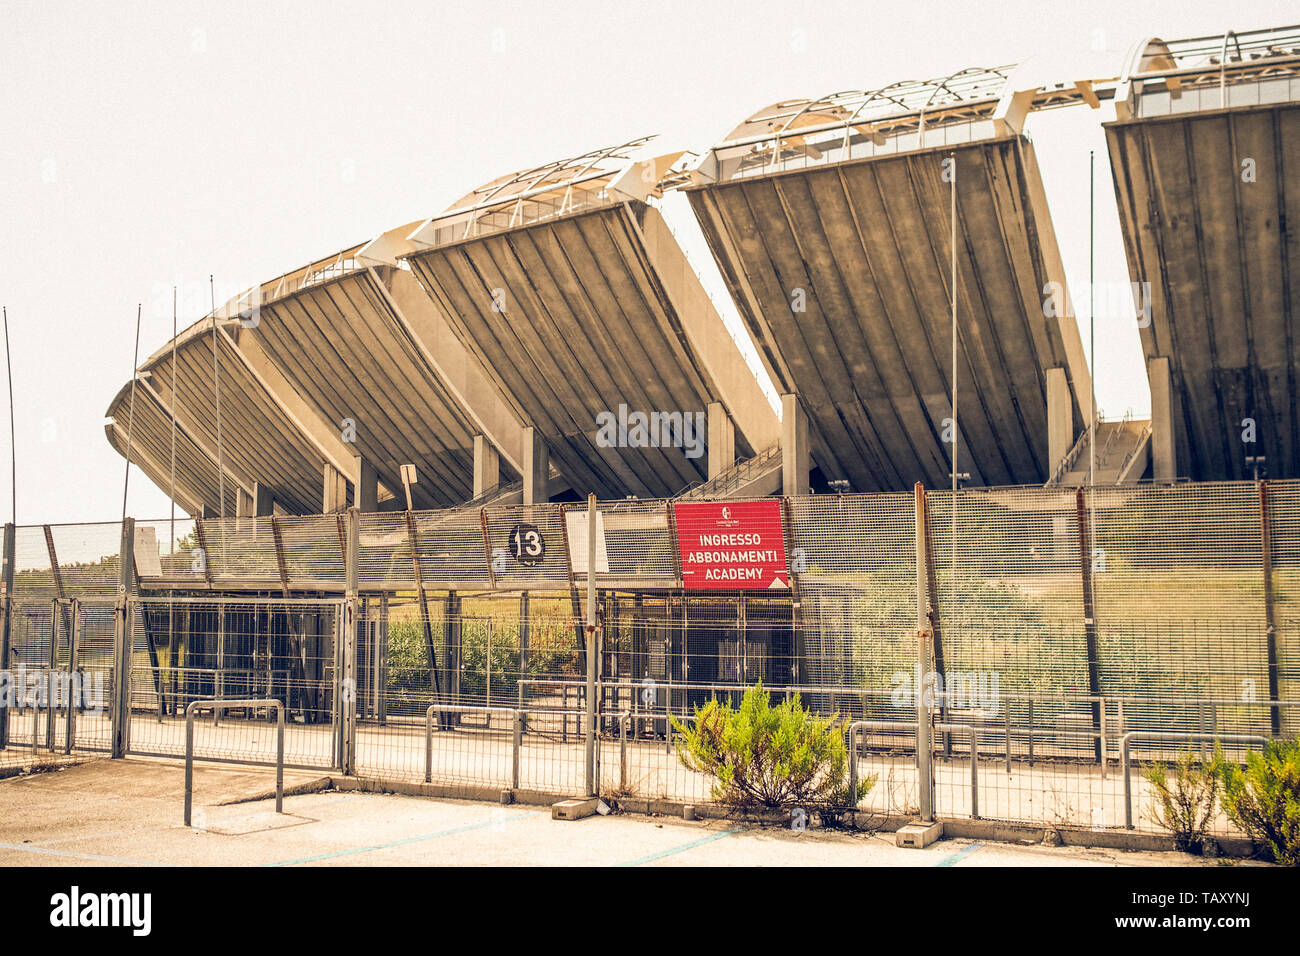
(1060, 418)
(1067, 326)
(455, 365)
(722, 440)
(323, 434)
(711, 343)
(335, 495)
(487, 465)
(365, 485)
(795, 460)
(537, 468)
(1164, 462)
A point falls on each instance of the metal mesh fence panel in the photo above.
(491, 656)
(87, 561)
(1180, 596)
(855, 563)
(1064, 623)
(61, 669)
(448, 545)
(176, 541)
(194, 649)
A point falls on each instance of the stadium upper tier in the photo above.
(572, 292)
(1205, 153)
(832, 221)
(510, 345)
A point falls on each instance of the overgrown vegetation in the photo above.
(765, 757)
(1186, 804)
(1264, 799)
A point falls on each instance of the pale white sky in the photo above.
(149, 145)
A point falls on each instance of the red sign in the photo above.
(731, 546)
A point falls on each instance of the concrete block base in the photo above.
(918, 835)
(574, 809)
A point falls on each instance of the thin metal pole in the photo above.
(130, 422)
(13, 454)
(1092, 321)
(171, 493)
(216, 389)
(923, 745)
(952, 215)
(172, 486)
(591, 648)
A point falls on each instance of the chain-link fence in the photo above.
(1066, 628)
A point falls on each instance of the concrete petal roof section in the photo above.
(571, 291)
(366, 351)
(145, 426)
(830, 221)
(263, 440)
(345, 357)
(1204, 157)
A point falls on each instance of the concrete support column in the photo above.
(1164, 462)
(243, 504)
(335, 495)
(795, 460)
(365, 485)
(722, 440)
(487, 465)
(537, 468)
(1060, 419)
(263, 502)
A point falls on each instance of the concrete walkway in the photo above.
(128, 812)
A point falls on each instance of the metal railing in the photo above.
(734, 476)
(1067, 463)
(192, 710)
(1126, 762)
(517, 723)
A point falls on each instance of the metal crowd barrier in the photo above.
(1169, 735)
(216, 706)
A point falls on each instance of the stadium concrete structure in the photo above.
(483, 344)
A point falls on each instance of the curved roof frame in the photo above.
(591, 173)
(901, 98)
(1201, 61)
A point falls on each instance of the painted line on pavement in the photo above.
(954, 858)
(81, 856)
(406, 842)
(683, 848)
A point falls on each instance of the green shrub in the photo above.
(1186, 805)
(1264, 799)
(765, 757)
